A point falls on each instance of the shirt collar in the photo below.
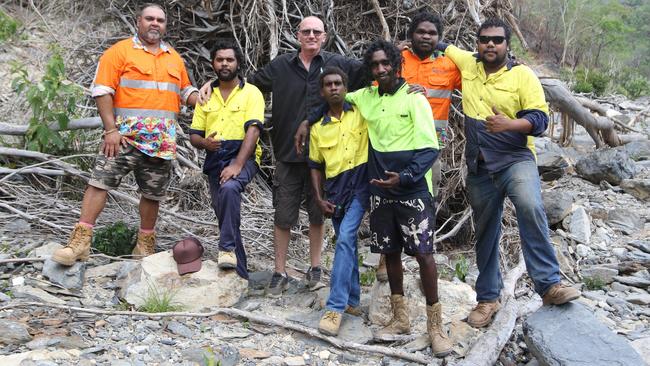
(327, 118)
(433, 56)
(137, 44)
(295, 58)
(399, 84)
(215, 83)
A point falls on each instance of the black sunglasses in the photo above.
(494, 39)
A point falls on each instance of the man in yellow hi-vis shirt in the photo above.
(504, 108)
(228, 127)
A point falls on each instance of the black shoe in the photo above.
(278, 283)
(313, 278)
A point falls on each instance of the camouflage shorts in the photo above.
(151, 174)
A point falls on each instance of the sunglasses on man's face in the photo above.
(494, 39)
(307, 32)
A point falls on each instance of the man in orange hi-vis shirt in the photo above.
(437, 77)
(139, 87)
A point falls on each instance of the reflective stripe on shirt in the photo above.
(132, 112)
(148, 84)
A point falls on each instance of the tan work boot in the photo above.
(227, 260)
(78, 247)
(330, 322)
(483, 313)
(400, 323)
(440, 343)
(560, 294)
(146, 244)
(382, 273)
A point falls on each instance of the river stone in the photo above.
(642, 346)
(352, 327)
(639, 188)
(107, 270)
(66, 276)
(639, 299)
(571, 335)
(637, 150)
(633, 281)
(606, 274)
(643, 245)
(627, 221)
(33, 293)
(45, 251)
(610, 165)
(557, 205)
(13, 332)
(209, 287)
(580, 226)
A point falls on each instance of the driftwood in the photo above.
(601, 129)
(485, 351)
(257, 318)
(75, 124)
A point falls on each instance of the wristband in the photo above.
(109, 132)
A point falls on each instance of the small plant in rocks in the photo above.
(594, 283)
(159, 300)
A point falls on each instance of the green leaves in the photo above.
(115, 240)
(52, 101)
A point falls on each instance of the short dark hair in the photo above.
(228, 44)
(391, 51)
(424, 17)
(149, 5)
(495, 23)
(333, 70)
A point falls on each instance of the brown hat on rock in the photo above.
(187, 254)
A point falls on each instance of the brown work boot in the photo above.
(483, 313)
(78, 247)
(400, 323)
(382, 273)
(330, 322)
(146, 244)
(560, 294)
(440, 343)
(353, 310)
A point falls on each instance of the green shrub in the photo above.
(462, 268)
(599, 81)
(594, 283)
(636, 86)
(368, 277)
(583, 87)
(159, 301)
(116, 239)
(53, 101)
(590, 81)
(8, 26)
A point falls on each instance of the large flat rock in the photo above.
(571, 335)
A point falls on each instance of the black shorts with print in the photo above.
(397, 225)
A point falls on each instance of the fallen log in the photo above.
(559, 96)
(75, 124)
(485, 351)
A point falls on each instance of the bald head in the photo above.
(311, 34)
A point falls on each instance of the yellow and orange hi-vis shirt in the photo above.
(147, 92)
(440, 76)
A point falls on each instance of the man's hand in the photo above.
(205, 93)
(326, 207)
(231, 171)
(497, 123)
(212, 144)
(417, 88)
(111, 144)
(391, 182)
(300, 138)
(402, 45)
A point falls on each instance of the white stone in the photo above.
(639, 299)
(620, 252)
(294, 361)
(18, 281)
(584, 251)
(642, 346)
(45, 251)
(107, 270)
(324, 355)
(580, 227)
(210, 287)
(36, 294)
(39, 355)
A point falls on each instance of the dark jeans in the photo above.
(226, 202)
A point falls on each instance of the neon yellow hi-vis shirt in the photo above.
(514, 91)
(230, 119)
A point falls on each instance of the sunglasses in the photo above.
(307, 32)
(494, 39)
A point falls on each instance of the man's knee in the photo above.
(424, 258)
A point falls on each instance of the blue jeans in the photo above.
(520, 183)
(344, 285)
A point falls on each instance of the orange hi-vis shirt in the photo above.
(147, 93)
(439, 76)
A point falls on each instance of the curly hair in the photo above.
(333, 70)
(392, 53)
(228, 44)
(425, 17)
(495, 23)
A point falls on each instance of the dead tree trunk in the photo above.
(559, 96)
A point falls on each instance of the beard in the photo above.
(498, 59)
(227, 75)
